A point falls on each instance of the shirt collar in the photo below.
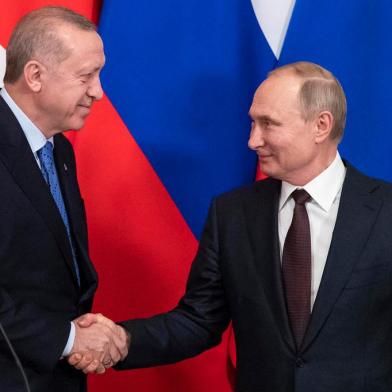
(323, 189)
(34, 136)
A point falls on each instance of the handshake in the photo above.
(99, 343)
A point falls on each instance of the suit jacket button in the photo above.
(299, 362)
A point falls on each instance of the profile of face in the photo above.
(68, 89)
(285, 143)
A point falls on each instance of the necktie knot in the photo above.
(45, 155)
(46, 152)
(300, 196)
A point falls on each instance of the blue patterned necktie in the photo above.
(48, 168)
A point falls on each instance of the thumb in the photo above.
(86, 320)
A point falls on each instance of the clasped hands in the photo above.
(99, 343)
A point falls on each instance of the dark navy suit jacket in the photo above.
(39, 294)
(236, 276)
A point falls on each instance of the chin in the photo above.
(266, 170)
(77, 125)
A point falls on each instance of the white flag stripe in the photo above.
(274, 18)
(2, 65)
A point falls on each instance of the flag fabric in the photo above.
(171, 132)
(352, 39)
(179, 80)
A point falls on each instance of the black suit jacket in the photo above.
(39, 294)
(237, 275)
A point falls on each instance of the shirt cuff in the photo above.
(70, 341)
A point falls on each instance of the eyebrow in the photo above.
(88, 70)
(265, 118)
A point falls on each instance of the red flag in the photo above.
(139, 242)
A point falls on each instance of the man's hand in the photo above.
(99, 344)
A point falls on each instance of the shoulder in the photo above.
(360, 182)
(7, 118)
(355, 176)
(258, 190)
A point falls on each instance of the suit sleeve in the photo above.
(198, 321)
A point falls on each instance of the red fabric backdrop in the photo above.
(139, 242)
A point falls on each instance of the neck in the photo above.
(24, 98)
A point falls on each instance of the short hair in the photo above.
(320, 90)
(36, 37)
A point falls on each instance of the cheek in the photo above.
(280, 147)
(301, 154)
(288, 153)
(72, 95)
(73, 102)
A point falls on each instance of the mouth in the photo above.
(85, 108)
(264, 156)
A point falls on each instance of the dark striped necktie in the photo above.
(297, 268)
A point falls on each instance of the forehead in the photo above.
(277, 93)
(85, 47)
(277, 86)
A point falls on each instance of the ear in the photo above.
(33, 72)
(324, 124)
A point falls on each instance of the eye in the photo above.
(85, 77)
(266, 123)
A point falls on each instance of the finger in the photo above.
(111, 325)
(85, 361)
(127, 339)
(92, 367)
(101, 369)
(115, 354)
(104, 320)
(107, 362)
(121, 341)
(74, 359)
(115, 348)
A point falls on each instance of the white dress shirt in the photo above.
(322, 209)
(36, 140)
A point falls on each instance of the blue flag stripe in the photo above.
(182, 76)
(352, 39)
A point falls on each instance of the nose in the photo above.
(256, 138)
(95, 89)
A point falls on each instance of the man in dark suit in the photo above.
(300, 262)
(46, 277)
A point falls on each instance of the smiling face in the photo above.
(68, 89)
(286, 144)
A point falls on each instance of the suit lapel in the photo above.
(16, 155)
(358, 210)
(262, 217)
(66, 174)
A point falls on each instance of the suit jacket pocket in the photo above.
(368, 276)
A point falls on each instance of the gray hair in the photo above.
(36, 37)
(320, 91)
